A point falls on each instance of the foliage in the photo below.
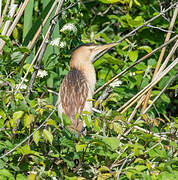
(113, 147)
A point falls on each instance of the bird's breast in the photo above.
(90, 75)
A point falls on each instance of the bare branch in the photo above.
(161, 29)
(161, 55)
(28, 137)
(4, 12)
(148, 87)
(162, 91)
(136, 29)
(137, 62)
(14, 22)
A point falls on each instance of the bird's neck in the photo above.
(88, 71)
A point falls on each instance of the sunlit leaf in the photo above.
(6, 173)
(133, 55)
(36, 137)
(112, 142)
(110, 1)
(80, 147)
(17, 115)
(28, 119)
(48, 135)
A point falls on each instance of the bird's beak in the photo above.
(99, 48)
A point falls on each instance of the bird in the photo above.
(77, 88)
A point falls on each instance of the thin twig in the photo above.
(140, 60)
(14, 23)
(162, 91)
(161, 29)
(32, 42)
(103, 96)
(160, 70)
(148, 87)
(28, 137)
(123, 164)
(4, 12)
(43, 47)
(136, 29)
(161, 55)
(148, 132)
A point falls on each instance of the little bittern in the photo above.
(79, 84)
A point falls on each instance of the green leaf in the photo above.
(112, 142)
(110, 1)
(140, 168)
(146, 48)
(48, 135)
(28, 119)
(104, 169)
(152, 62)
(15, 34)
(6, 173)
(165, 98)
(17, 115)
(133, 55)
(52, 122)
(66, 120)
(36, 137)
(21, 177)
(32, 176)
(80, 147)
(2, 118)
(118, 128)
(137, 3)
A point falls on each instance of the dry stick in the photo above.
(0, 8)
(4, 12)
(148, 87)
(32, 42)
(173, 50)
(34, 59)
(135, 109)
(162, 91)
(160, 70)
(8, 22)
(103, 96)
(14, 23)
(136, 29)
(148, 132)
(161, 29)
(140, 60)
(43, 47)
(123, 164)
(161, 55)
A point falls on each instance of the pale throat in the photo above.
(88, 71)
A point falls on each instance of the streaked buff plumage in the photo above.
(78, 85)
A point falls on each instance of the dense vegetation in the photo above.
(123, 141)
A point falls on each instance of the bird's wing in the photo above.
(73, 93)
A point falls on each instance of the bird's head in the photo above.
(87, 52)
